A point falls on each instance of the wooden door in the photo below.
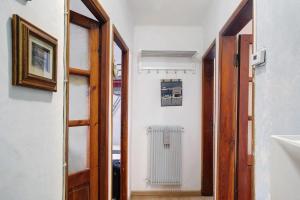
(207, 127)
(83, 90)
(228, 119)
(244, 135)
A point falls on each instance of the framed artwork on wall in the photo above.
(171, 92)
(34, 56)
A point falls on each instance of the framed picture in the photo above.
(34, 56)
(171, 92)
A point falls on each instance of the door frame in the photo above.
(117, 38)
(227, 140)
(103, 116)
(207, 134)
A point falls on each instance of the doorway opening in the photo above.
(235, 137)
(87, 101)
(208, 117)
(120, 117)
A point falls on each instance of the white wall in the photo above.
(277, 94)
(121, 16)
(215, 17)
(31, 121)
(31, 133)
(147, 111)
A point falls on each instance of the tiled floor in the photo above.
(170, 198)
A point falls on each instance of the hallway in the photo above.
(149, 100)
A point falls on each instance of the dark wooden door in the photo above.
(228, 119)
(244, 143)
(207, 127)
(83, 94)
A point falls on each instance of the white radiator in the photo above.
(164, 155)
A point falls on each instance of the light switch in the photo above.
(259, 58)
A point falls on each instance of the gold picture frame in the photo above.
(34, 56)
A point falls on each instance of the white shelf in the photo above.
(168, 53)
(168, 60)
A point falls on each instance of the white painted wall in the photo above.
(121, 16)
(147, 111)
(31, 121)
(277, 84)
(31, 140)
(216, 15)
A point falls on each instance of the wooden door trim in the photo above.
(207, 134)
(104, 113)
(226, 169)
(97, 10)
(239, 19)
(103, 108)
(210, 53)
(124, 113)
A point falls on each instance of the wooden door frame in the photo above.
(226, 180)
(117, 38)
(103, 116)
(208, 69)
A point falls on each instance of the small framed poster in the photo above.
(34, 56)
(171, 92)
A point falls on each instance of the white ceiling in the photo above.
(169, 12)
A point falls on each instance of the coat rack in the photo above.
(168, 61)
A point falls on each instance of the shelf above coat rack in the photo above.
(170, 54)
(167, 60)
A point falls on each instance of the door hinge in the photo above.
(237, 60)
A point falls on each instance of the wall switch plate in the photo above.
(259, 58)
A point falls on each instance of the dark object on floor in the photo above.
(116, 179)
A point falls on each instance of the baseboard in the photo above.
(166, 193)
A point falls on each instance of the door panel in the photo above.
(79, 185)
(79, 47)
(228, 105)
(79, 97)
(244, 143)
(78, 149)
(83, 93)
